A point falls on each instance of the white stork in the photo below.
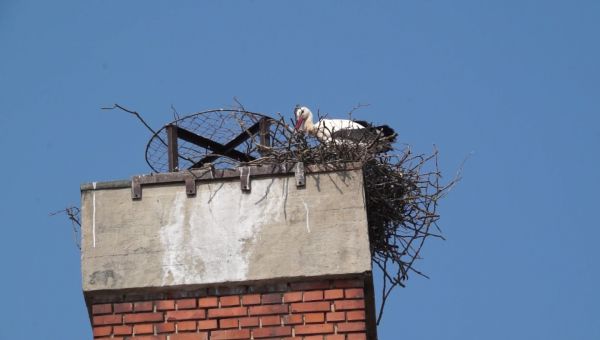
(327, 130)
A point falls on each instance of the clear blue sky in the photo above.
(516, 83)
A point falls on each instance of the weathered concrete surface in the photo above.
(223, 235)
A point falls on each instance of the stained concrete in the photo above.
(222, 235)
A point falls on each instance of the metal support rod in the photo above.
(172, 148)
(217, 148)
(229, 148)
(265, 137)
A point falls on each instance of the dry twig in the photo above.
(139, 117)
(73, 213)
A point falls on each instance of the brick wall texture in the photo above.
(318, 310)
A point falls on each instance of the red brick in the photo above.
(348, 284)
(269, 309)
(228, 301)
(165, 305)
(168, 327)
(351, 327)
(295, 319)
(349, 304)
(187, 326)
(227, 312)
(186, 315)
(102, 331)
(355, 293)
(314, 337)
(144, 317)
(334, 294)
(208, 302)
(314, 318)
(229, 323)
(143, 306)
(230, 334)
(207, 325)
(357, 315)
(292, 297)
(315, 285)
(271, 298)
(186, 304)
(188, 336)
(122, 330)
(357, 336)
(123, 307)
(102, 309)
(273, 320)
(272, 332)
(314, 329)
(311, 307)
(336, 337)
(249, 322)
(149, 337)
(107, 320)
(316, 295)
(143, 329)
(336, 316)
(252, 299)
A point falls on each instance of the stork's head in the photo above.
(302, 115)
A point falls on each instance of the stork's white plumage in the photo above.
(327, 130)
(324, 128)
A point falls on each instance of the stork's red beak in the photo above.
(299, 123)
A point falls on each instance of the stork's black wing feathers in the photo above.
(364, 123)
(355, 135)
(366, 136)
(384, 130)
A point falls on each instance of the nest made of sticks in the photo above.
(402, 189)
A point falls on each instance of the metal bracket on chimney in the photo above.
(188, 177)
(190, 185)
(300, 175)
(209, 173)
(136, 188)
(245, 178)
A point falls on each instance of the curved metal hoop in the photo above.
(217, 129)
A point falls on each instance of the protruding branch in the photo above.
(135, 113)
(73, 213)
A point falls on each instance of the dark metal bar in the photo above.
(215, 147)
(229, 148)
(265, 137)
(206, 143)
(172, 131)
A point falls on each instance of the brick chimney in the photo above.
(253, 253)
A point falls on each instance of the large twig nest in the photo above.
(402, 190)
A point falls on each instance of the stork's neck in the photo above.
(309, 124)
